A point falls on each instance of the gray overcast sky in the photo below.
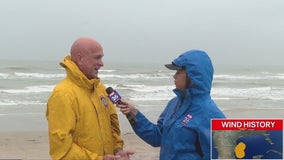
(231, 31)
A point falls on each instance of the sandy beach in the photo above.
(34, 144)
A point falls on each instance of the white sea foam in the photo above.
(39, 75)
(29, 89)
(16, 114)
(248, 77)
(277, 76)
(19, 102)
(141, 92)
(107, 70)
(135, 76)
(248, 93)
(146, 89)
(4, 75)
(161, 96)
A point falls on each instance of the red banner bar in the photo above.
(247, 124)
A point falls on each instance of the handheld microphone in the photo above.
(116, 99)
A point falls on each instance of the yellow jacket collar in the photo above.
(77, 76)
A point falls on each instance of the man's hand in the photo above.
(124, 155)
(111, 157)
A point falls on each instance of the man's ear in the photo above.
(78, 59)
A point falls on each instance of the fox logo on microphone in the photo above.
(114, 97)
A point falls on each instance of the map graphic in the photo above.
(238, 142)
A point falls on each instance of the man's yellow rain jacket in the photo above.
(82, 121)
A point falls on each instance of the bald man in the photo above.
(82, 121)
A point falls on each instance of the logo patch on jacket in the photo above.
(104, 101)
(186, 119)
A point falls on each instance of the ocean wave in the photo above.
(146, 88)
(103, 75)
(278, 76)
(107, 70)
(16, 114)
(249, 93)
(135, 76)
(19, 102)
(141, 92)
(227, 94)
(29, 89)
(22, 75)
(164, 92)
(4, 75)
(106, 74)
(161, 96)
(249, 77)
(39, 75)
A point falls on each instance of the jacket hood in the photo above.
(199, 69)
(74, 73)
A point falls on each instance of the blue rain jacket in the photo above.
(183, 129)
